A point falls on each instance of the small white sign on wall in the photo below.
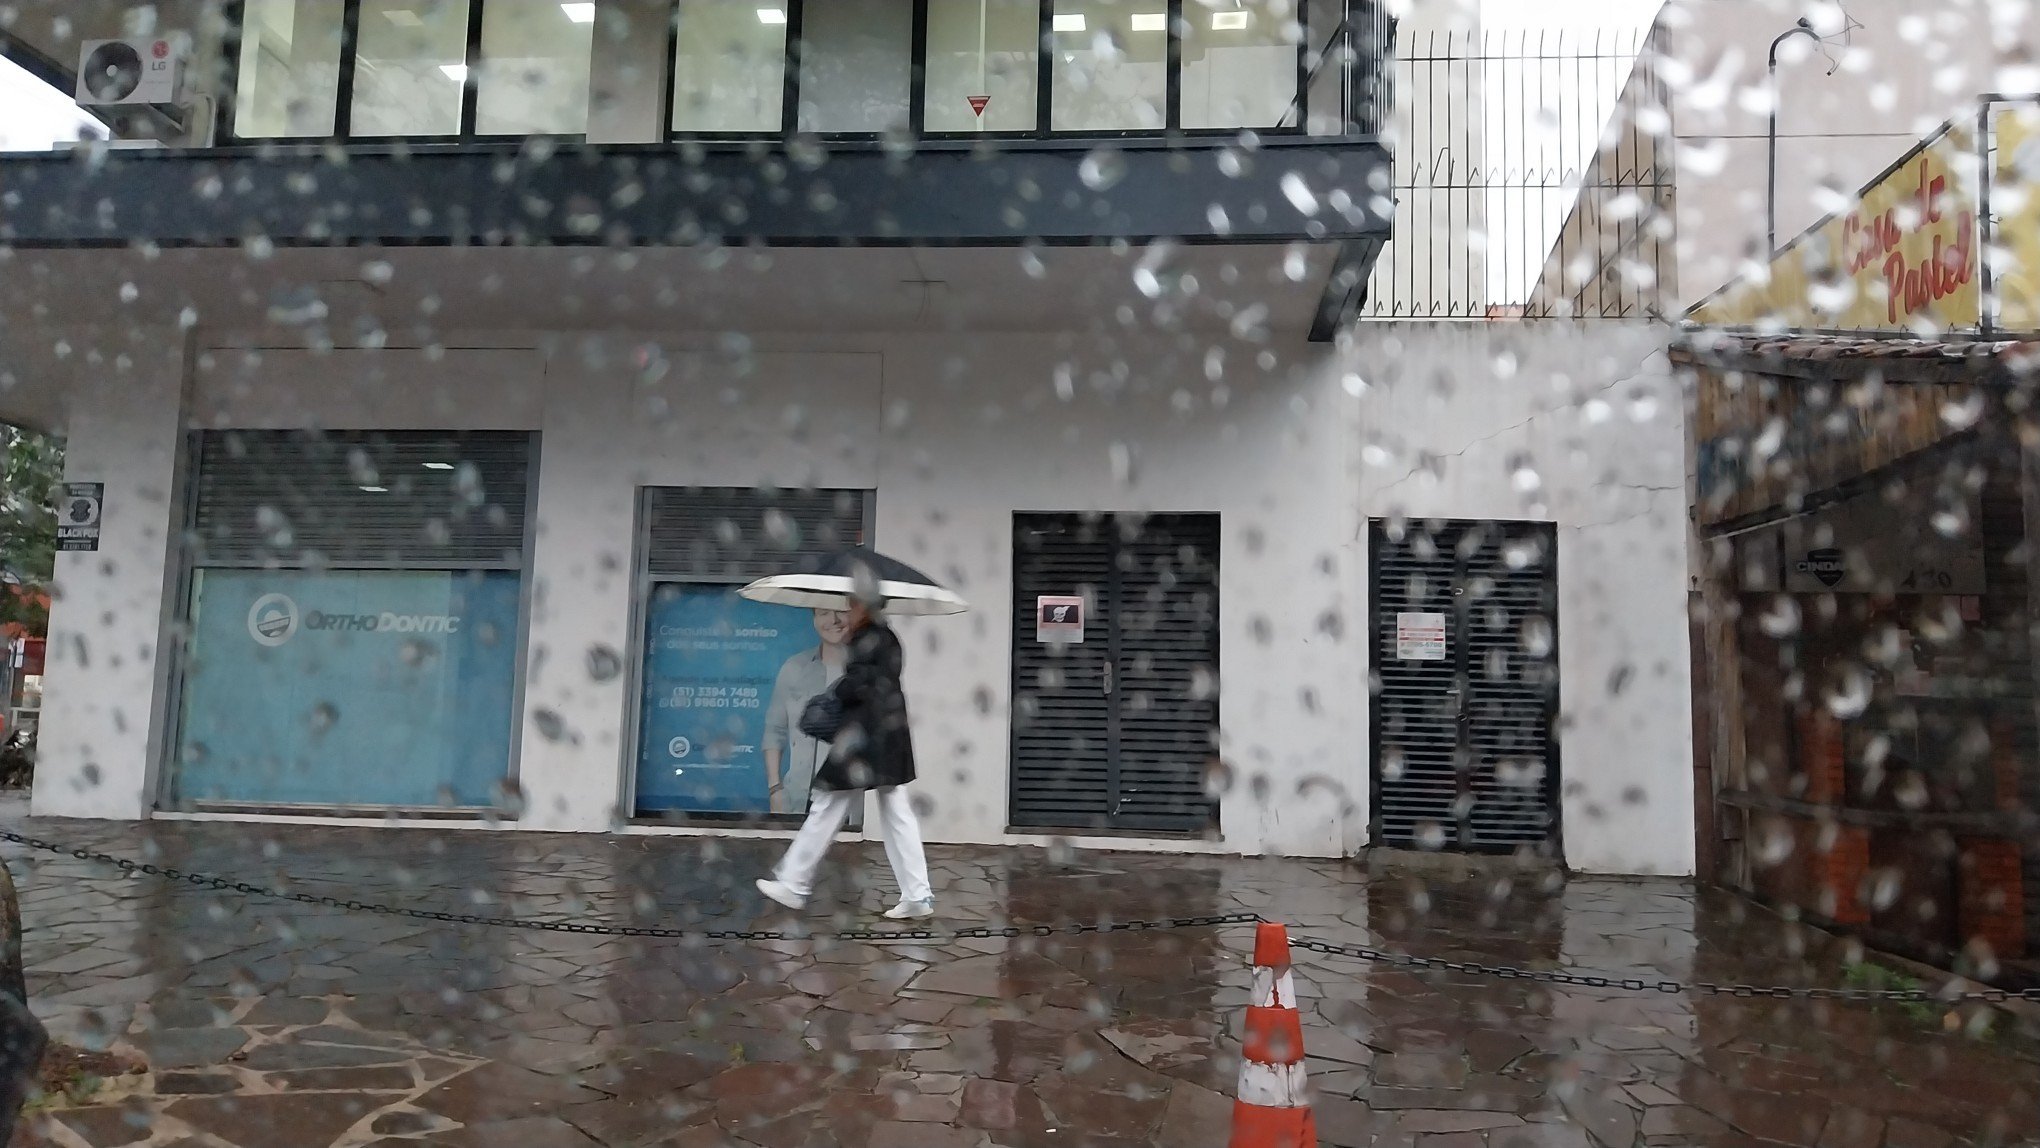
(1420, 637)
(1059, 619)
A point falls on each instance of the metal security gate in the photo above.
(1118, 730)
(1465, 625)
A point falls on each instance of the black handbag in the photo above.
(822, 717)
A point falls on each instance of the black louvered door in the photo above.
(1465, 625)
(1116, 732)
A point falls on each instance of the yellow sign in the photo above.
(1904, 258)
(2015, 202)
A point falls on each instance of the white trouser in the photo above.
(897, 825)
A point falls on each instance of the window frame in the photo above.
(343, 111)
(1044, 79)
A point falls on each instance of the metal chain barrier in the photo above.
(990, 932)
(1639, 985)
(976, 932)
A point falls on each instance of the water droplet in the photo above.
(322, 718)
(1218, 779)
(604, 663)
(1850, 694)
(550, 725)
(1299, 194)
(1774, 845)
(1430, 835)
(1102, 168)
(1535, 637)
(1884, 889)
(1781, 618)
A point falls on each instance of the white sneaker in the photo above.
(779, 892)
(911, 911)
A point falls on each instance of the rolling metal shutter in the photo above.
(1118, 732)
(361, 501)
(1479, 776)
(736, 534)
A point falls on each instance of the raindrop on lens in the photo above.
(1850, 695)
(322, 718)
(550, 725)
(1102, 168)
(1218, 779)
(604, 663)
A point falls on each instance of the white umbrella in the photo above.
(834, 581)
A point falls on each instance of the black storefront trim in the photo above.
(685, 194)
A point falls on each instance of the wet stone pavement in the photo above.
(271, 1023)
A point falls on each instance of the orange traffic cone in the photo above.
(1273, 1106)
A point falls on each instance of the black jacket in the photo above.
(874, 748)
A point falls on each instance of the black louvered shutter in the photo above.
(361, 500)
(1116, 733)
(1463, 752)
(1167, 687)
(1062, 727)
(737, 534)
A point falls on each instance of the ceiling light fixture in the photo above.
(438, 466)
(375, 490)
(1069, 22)
(402, 17)
(455, 72)
(1229, 21)
(1150, 21)
(579, 13)
(772, 15)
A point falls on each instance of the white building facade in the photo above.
(440, 527)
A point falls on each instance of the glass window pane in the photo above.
(1111, 65)
(856, 65)
(534, 69)
(982, 48)
(729, 69)
(410, 68)
(288, 700)
(289, 81)
(1239, 63)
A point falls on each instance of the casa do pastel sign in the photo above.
(1904, 257)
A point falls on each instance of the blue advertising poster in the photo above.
(725, 679)
(373, 688)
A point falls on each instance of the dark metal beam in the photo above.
(1345, 288)
(1199, 190)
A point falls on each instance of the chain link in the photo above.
(942, 936)
(1639, 985)
(1010, 932)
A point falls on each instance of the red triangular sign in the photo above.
(977, 104)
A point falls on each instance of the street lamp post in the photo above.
(1804, 27)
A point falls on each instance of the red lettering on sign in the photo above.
(1910, 288)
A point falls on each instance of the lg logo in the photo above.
(273, 620)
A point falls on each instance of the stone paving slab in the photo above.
(273, 1023)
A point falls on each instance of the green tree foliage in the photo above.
(31, 469)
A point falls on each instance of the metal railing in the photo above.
(1494, 136)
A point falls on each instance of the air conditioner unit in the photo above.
(112, 73)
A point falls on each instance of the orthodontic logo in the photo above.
(276, 619)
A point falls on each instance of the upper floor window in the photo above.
(943, 67)
(412, 68)
(446, 69)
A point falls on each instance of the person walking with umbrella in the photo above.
(863, 717)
